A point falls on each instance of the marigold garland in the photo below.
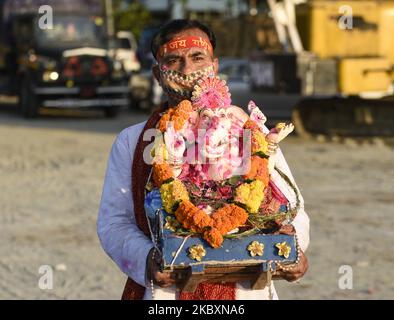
(229, 217)
(178, 115)
(213, 237)
(165, 118)
(192, 217)
(251, 125)
(173, 193)
(213, 227)
(161, 172)
(258, 170)
(251, 195)
(259, 144)
(248, 196)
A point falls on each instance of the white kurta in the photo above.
(128, 246)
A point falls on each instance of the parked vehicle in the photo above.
(145, 90)
(236, 72)
(125, 51)
(66, 65)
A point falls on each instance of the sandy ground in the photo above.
(51, 176)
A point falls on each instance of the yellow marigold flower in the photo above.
(259, 144)
(197, 252)
(284, 249)
(251, 195)
(172, 193)
(159, 151)
(256, 248)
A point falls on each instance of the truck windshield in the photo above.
(72, 32)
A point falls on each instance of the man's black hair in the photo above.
(167, 31)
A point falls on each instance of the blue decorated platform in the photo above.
(233, 252)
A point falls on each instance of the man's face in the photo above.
(187, 60)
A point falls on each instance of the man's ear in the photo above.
(156, 72)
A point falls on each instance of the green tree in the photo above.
(130, 16)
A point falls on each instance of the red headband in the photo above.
(184, 43)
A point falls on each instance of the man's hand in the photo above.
(160, 279)
(298, 271)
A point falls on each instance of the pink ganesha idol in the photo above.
(217, 126)
(208, 147)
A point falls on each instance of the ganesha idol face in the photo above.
(217, 132)
(214, 130)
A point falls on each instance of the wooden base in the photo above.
(187, 281)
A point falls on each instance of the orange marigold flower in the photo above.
(228, 218)
(191, 217)
(201, 220)
(183, 109)
(250, 124)
(165, 118)
(258, 170)
(181, 114)
(213, 237)
(161, 173)
(178, 122)
(178, 115)
(258, 142)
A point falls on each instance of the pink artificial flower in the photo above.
(211, 92)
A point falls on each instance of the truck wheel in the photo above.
(28, 101)
(111, 112)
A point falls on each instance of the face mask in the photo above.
(179, 86)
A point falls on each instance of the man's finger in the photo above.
(164, 284)
(161, 277)
(293, 277)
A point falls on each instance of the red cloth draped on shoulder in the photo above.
(139, 177)
(140, 173)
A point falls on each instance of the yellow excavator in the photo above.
(344, 64)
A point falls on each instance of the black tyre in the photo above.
(29, 103)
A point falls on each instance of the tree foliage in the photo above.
(130, 16)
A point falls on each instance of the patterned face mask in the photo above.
(179, 86)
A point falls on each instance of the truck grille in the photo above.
(85, 67)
